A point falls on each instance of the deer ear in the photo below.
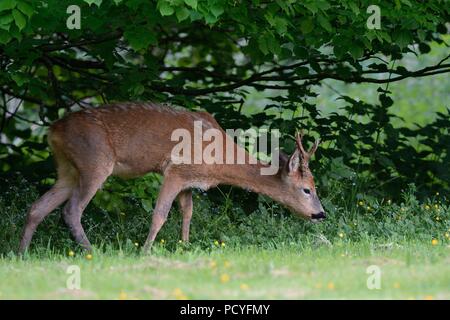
(283, 159)
(293, 162)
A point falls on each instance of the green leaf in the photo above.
(339, 51)
(4, 37)
(5, 21)
(191, 3)
(216, 8)
(19, 19)
(424, 48)
(402, 37)
(7, 5)
(165, 8)
(182, 13)
(324, 23)
(281, 25)
(354, 7)
(301, 52)
(272, 44)
(386, 101)
(96, 2)
(147, 204)
(138, 90)
(302, 71)
(210, 18)
(402, 70)
(311, 6)
(262, 44)
(384, 161)
(139, 38)
(19, 79)
(356, 51)
(307, 25)
(26, 9)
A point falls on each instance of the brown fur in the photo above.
(132, 139)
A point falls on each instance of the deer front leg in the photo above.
(169, 190)
(185, 201)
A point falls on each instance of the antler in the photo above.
(314, 147)
(306, 155)
(298, 140)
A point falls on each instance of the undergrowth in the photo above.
(351, 218)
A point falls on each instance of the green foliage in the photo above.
(210, 55)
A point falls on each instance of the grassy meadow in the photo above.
(267, 254)
(408, 271)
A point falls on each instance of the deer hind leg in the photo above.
(185, 201)
(53, 198)
(88, 185)
(169, 191)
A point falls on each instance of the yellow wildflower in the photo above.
(244, 286)
(179, 295)
(224, 278)
(122, 295)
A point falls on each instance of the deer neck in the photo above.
(249, 177)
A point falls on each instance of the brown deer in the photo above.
(131, 139)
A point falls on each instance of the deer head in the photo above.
(298, 181)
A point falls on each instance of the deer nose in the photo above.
(318, 216)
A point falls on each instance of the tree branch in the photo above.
(62, 46)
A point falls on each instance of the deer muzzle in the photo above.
(316, 217)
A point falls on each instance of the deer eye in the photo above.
(307, 191)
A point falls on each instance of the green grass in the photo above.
(268, 253)
(408, 271)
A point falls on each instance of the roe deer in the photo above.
(132, 139)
